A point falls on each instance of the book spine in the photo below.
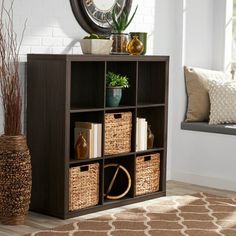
(137, 134)
(95, 140)
(145, 135)
(141, 127)
(99, 140)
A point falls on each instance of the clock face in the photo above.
(94, 15)
(100, 10)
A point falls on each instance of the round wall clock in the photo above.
(93, 15)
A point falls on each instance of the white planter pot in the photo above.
(96, 46)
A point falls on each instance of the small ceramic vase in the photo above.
(81, 148)
(113, 96)
(135, 46)
(142, 36)
(150, 138)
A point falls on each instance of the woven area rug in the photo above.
(201, 214)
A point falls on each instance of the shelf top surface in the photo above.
(90, 57)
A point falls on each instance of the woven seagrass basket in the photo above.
(118, 129)
(15, 179)
(83, 186)
(147, 174)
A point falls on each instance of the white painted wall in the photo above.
(203, 158)
(52, 28)
(192, 33)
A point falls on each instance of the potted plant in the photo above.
(96, 44)
(114, 84)
(15, 164)
(119, 25)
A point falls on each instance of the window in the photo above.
(234, 36)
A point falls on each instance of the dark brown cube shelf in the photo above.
(64, 89)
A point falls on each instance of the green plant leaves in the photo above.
(116, 80)
(131, 17)
(121, 23)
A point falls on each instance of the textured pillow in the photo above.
(223, 102)
(198, 108)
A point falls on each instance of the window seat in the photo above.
(205, 127)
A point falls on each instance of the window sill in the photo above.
(229, 129)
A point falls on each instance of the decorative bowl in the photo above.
(96, 46)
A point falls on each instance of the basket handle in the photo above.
(84, 168)
(117, 115)
(147, 158)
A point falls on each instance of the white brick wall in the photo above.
(52, 28)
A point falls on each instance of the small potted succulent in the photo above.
(115, 83)
(119, 25)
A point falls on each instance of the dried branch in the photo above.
(9, 72)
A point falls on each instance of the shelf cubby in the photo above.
(85, 165)
(155, 117)
(114, 110)
(87, 87)
(125, 68)
(151, 82)
(93, 117)
(121, 181)
(64, 89)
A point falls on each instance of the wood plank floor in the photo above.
(37, 222)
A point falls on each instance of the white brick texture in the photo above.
(52, 28)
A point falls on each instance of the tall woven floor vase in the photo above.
(15, 179)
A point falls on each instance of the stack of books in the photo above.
(92, 132)
(141, 134)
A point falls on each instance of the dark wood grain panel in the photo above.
(46, 133)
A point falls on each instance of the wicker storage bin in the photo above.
(147, 174)
(83, 186)
(118, 128)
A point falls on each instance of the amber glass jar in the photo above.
(135, 46)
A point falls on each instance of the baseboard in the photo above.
(213, 182)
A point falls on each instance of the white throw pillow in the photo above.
(223, 102)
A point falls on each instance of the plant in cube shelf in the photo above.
(119, 24)
(15, 165)
(115, 83)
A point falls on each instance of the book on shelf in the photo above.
(141, 134)
(93, 137)
(99, 139)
